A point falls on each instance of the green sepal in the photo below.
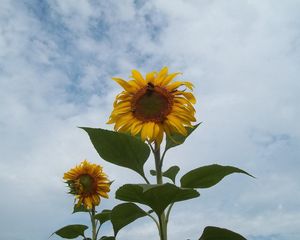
(208, 176)
(124, 214)
(176, 139)
(72, 187)
(104, 216)
(120, 149)
(71, 231)
(215, 233)
(79, 208)
(157, 196)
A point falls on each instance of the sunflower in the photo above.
(153, 105)
(88, 183)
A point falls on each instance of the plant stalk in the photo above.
(94, 224)
(159, 180)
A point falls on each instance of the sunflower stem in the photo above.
(159, 180)
(156, 222)
(98, 229)
(168, 212)
(94, 225)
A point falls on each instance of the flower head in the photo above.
(88, 183)
(153, 105)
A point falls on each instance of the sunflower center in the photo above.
(152, 103)
(87, 183)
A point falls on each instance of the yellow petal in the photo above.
(103, 194)
(175, 85)
(111, 120)
(138, 77)
(122, 97)
(161, 76)
(96, 199)
(122, 104)
(125, 127)
(88, 202)
(169, 78)
(182, 112)
(150, 77)
(155, 130)
(177, 124)
(125, 85)
(159, 133)
(147, 131)
(123, 120)
(122, 110)
(136, 127)
(169, 128)
(134, 84)
(183, 103)
(150, 130)
(188, 95)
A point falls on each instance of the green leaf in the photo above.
(80, 208)
(215, 233)
(120, 149)
(104, 216)
(71, 231)
(124, 214)
(208, 176)
(176, 139)
(171, 173)
(156, 196)
(107, 238)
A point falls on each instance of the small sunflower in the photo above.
(88, 183)
(153, 105)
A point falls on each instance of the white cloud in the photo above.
(56, 62)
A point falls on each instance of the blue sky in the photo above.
(56, 63)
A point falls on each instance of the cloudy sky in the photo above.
(56, 63)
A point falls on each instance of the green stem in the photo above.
(163, 156)
(157, 224)
(94, 224)
(146, 180)
(98, 230)
(168, 212)
(159, 180)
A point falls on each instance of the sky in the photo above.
(56, 63)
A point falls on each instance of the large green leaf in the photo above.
(156, 196)
(120, 149)
(208, 176)
(176, 139)
(124, 214)
(71, 231)
(104, 216)
(215, 233)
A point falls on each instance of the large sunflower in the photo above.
(88, 183)
(153, 105)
